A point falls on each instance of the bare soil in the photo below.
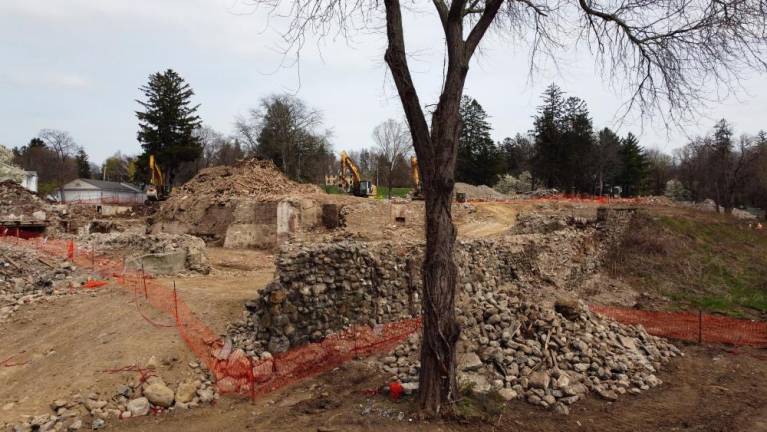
(710, 389)
(68, 345)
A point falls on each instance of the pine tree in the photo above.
(547, 131)
(167, 124)
(634, 165)
(478, 160)
(577, 149)
(608, 163)
(83, 166)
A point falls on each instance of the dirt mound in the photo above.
(482, 192)
(251, 178)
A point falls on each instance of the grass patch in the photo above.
(710, 262)
(383, 192)
(333, 189)
(476, 407)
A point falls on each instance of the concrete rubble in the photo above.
(549, 356)
(248, 205)
(139, 398)
(27, 277)
(159, 254)
(21, 205)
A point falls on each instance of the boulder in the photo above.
(159, 394)
(138, 407)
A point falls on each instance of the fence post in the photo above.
(700, 326)
(175, 302)
(143, 280)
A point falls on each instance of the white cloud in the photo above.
(65, 81)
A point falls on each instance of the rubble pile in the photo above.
(18, 203)
(251, 178)
(480, 193)
(140, 398)
(323, 288)
(26, 277)
(542, 193)
(550, 357)
(159, 253)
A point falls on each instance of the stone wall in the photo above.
(320, 289)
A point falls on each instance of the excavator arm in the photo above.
(350, 179)
(156, 191)
(415, 176)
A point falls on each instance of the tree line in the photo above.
(564, 151)
(282, 128)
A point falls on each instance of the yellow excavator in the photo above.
(156, 191)
(415, 176)
(350, 180)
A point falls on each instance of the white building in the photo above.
(88, 191)
(29, 180)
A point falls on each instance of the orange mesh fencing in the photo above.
(234, 371)
(237, 373)
(692, 326)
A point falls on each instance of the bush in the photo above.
(509, 184)
(675, 190)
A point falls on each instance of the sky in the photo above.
(77, 65)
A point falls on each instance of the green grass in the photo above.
(712, 263)
(381, 193)
(395, 192)
(333, 189)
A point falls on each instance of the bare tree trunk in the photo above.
(440, 328)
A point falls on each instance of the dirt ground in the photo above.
(69, 343)
(710, 389)
(237, 276)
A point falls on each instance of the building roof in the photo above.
(104, 185)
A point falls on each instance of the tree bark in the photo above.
(437, 380)
(436, 151)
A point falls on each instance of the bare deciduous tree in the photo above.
(64, 146)
(393, 141)
(661, 49)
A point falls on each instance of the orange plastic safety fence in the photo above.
(234, 371)
(692, 326)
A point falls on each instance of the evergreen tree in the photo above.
(607, 160)
(576, 157)
(167, 124)
(83, 166)
(478, 159)
(547, 131)
(634, 165)
(518, 154)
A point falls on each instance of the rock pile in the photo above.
(26, 277)
(320, 289)
(547, 357)
(480, 193)
(150, 395)
(160, 253)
